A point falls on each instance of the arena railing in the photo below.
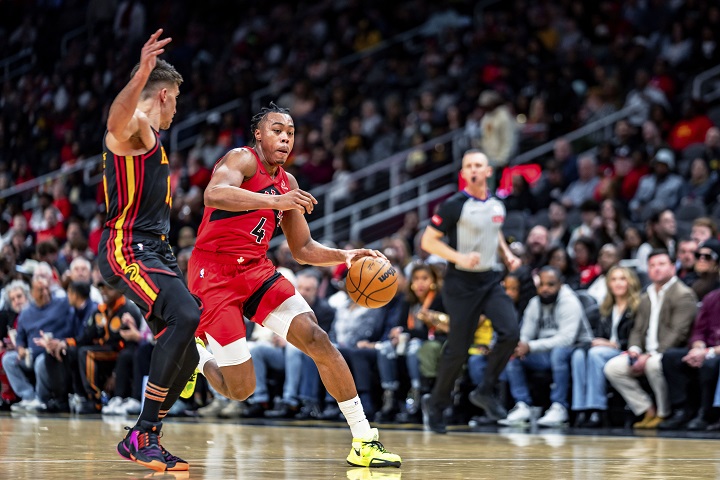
(17, 64)
(707, 79)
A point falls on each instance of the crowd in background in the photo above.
(508, 81)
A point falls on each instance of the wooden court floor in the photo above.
(40, 447)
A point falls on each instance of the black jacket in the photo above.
(604, 328)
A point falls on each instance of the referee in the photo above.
(472, 221)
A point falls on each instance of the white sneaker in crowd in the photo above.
(555, 416)
(519, 415)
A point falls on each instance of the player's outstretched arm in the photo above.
(122, 120)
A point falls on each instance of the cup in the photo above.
(29, 359)
(403, 339)
(12, 334)
(48, 336)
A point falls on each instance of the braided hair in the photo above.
(260, 117)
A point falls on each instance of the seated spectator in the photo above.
(611, 224)
(700, 182)
(608, 257)
(685, 367)
(661, 228)
(707, 258)
(559, 229)
(559, 258)
(617, 313)
(44, 315)
(663, 321)
(658, 190)
(553, 325)
(589, 214)
(537, 244)
(18, 297)
(81, 271)
(703, 228)
(420, 323)
(687, 248)
(99, 345)
(308, 283)
(584, 187)
(585, 261)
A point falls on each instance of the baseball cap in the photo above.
(665, 156)
(712, 244)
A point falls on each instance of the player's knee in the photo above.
(241, 390)
(317, 340)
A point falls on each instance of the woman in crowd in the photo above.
(611, 338)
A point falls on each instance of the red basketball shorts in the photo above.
(231, 289)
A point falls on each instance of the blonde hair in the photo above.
(633, 291)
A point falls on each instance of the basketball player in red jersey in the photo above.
(135, 256)
(249, 197)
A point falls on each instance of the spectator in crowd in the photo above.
(537, 244)
(643, 97)
(703, 228)
(554, 324)
(18, 297)
(308, 284)
(658, 190)
(608, 257)
(498, 129)
(663, 320)
(617, 314)
(421, 327)
(698, 365)
(558, 258)
(687, 247)
(80, 271)
(559, 230)
(661, 228)
(589, 214)
(584, 187)
(44, 315)
(707, 258)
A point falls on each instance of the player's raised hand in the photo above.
(297, 199)
(150, 51)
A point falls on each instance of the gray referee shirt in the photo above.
(472, 225)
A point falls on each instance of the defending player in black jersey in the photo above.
(472, 221)
(135, 256)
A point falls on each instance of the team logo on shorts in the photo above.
(202, 273)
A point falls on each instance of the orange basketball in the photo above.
(371, 282)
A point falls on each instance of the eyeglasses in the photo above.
(708, 257)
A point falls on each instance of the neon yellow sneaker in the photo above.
(190, 385)
(369, 452)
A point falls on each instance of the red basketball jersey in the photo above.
(244, 234)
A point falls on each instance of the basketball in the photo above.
(371, 282)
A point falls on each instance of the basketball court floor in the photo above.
(70, 448)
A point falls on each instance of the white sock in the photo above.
(205, 356)
(355, 416)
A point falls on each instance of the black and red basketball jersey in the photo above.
(137, 190)
(244, 234)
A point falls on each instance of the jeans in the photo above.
(589, 384)
(556, 360)
(388, 367)
(19, 376)
(286, 359)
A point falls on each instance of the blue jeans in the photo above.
(556, 360)
(476, 369)
(286, 359)
(388, 367)
(589, 383)
(19, 376)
